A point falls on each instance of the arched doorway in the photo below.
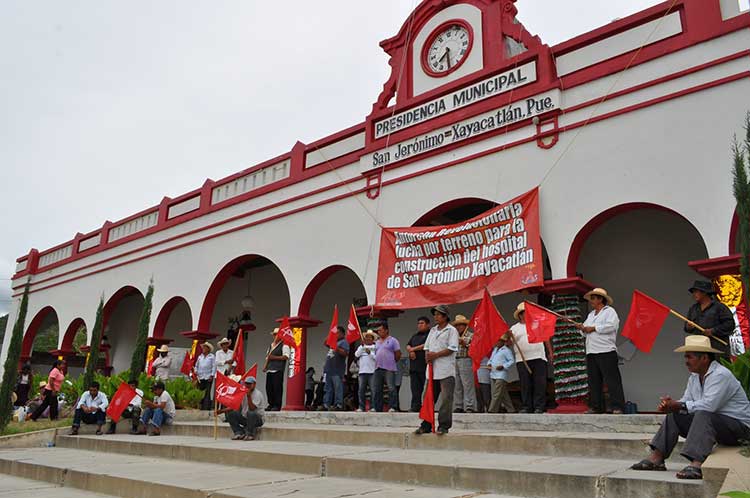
(120, 319)
(645, 247)
(248, 292)
(75, 336)
(173, 318)
(41, 337)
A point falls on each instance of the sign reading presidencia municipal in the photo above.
(490, 87)
(463, 130)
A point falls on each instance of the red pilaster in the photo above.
(295, 386)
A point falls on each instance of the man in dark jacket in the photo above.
(710, 314)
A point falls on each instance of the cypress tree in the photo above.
(741, 189)
(138, 361)
(96, 340)
(11, 362)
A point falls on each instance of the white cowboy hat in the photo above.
(163, 349)
(225, 340)
(599, 292)
(209, 345)
(460, 320)
(371, 333)
(275, 331)
(521, 307)
(697, 344)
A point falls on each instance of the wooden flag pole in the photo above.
(558, 315)
(701, 329)
(216, 419)
(523, 359)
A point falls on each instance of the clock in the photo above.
(447, 48)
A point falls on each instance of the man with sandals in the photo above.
(714, 409)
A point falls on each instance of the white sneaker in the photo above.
(358, 410)
(392, 410)
(372, 410)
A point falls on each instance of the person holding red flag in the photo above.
(334, 371)
(534, 384)
(277, 355)
(248, 417)
(225, 357)
(132, 410)
(440, 352)
(600, 328)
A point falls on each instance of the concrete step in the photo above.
(83, 472)
(545, 422)
(572, 444)
(14, 487)
(510, 473)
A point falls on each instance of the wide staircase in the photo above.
(315, 454)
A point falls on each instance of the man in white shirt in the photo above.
(365, 353)
(133, 411)
(225, 357)
(440, 352)
(246, 421)
(534, 384)
(158, 412)
(162, 363)
(91, 409)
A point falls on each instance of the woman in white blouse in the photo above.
(600, 329)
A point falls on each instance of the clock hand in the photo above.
(447, 53)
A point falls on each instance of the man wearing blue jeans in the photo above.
(335, 369)
(158, 412)
(387, 354)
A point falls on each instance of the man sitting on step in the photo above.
(714, 409)
(91, 409)
(245, 421)
(133, 411)
(158, 412)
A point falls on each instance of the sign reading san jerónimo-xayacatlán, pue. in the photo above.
(500, 249)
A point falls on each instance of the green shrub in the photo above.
(741, 369)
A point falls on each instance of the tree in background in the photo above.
(46, 340)
(138, 361)
(741, 189)
(10, 371)
(3, 325)
(96, 340)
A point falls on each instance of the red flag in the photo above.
(286, 333)
(331, 339)
(239, 354)
(251, 372)
(427, 413)
(187, 364)
(228, 392)
(540, 323)
(488, 326)
(120, 400)
(645, 320)
(353, 332)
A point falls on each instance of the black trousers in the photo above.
(602, 369)
(275, 389)
(417, 380)
(701, 430)
(50, 399)
(205, 385)
(309, 397)
(533, 385)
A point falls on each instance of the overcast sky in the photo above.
(106, 107)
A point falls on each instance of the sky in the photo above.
(106, 107)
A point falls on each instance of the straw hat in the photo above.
(697, 344)
(520, 308)
(275, 331)
(42, 384)
(371, 333)
(225, 340)
(461, 320)
(209, 345)
(599, 292)
(163, 349)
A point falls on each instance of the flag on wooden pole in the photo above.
(286, 333)
(239, 354)
(645, 320)
(540, 323)
(251, 372)
(331, 339)
(488, 326)
(427, 413)
(120, 401)
(353, 332)
(187, 364)
(228, 392)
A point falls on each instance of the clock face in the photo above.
(447, 48)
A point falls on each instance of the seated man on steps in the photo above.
(714, 409)
(91, 409)
(158, 412)
(133, 411)
(246, 421)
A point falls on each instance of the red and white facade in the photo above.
(626, 129)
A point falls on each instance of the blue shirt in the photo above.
(720, 393)
(336, 364)
(205, 366)
(501, 356)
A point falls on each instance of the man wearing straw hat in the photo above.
(225, 357)
(712, 315)
(465, 399)
(162, 363)
(600, 329)
(276, 357)
(714, 409)
(534, 384)
(205, 369)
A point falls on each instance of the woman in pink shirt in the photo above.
(54, 383)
